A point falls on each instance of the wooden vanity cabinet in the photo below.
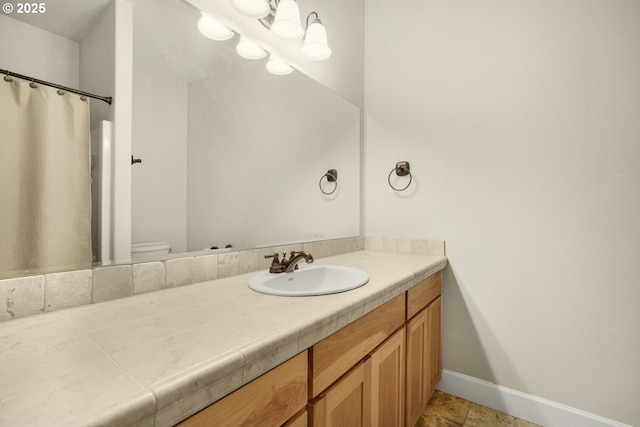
(338, 353)
(371, 353)
(424, 360)
(370, 394)
(298, 420)
(378, 371)
(272, 399)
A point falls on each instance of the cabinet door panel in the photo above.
(424, 359)
(416, 367)
(387, 382)
(434, 345)
(347, 403)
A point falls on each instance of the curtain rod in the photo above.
(106, 99)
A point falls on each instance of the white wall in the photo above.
(33, 52)
(159, 183)
(521, 121)
(106, 68)
(97, 64)
(258, 146)
(97, 75)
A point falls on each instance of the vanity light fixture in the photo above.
(278, 66)
(282, 18)
(249, 50)
(286, 23)
(212, 28)
(315, 45)
(252, 8)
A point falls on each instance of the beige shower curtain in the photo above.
(45, 198)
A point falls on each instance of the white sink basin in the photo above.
(309, 280)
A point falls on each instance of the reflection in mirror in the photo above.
(231, 155)
(44, 154)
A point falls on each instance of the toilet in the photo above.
(150, 250)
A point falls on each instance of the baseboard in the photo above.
(522, 405)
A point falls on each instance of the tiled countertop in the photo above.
(156, 358)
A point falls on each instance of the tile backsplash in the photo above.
(26, 296)
(408, 246)
(29, 295)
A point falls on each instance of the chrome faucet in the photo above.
(285, 266)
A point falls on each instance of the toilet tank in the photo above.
(149, 249)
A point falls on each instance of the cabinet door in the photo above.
(424, 360)
(387, 382)
(416, 367)
(347, 403)
(434, 346)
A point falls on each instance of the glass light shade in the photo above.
(286, 23)
(248, 49)
(213, 29)
(252, 8)
(315, 42)
(278, 66)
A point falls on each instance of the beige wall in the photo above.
(521, 121)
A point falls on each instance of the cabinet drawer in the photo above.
(347, 402)
(338, 353)
(420, 295)
(269, 400)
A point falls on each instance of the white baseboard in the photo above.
(522, 405)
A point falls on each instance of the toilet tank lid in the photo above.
(150, 246)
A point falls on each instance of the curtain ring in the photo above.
(32, 85)
(332, 176)
(7, 77)
(401, 169)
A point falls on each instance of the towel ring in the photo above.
(332, 176)
(401, 169)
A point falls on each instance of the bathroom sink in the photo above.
(309, 280)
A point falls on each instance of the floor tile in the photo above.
(481, 416)
(446, 410)
(447, 406)
(430, 419)
(523, 423)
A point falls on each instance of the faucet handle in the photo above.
(276, 265)
(274, 256)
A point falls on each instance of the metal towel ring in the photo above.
(401, 169)
(332, 176)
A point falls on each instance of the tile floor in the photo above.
(446, 410)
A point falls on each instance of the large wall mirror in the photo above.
(231, 155)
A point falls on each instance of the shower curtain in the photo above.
(45, 196)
